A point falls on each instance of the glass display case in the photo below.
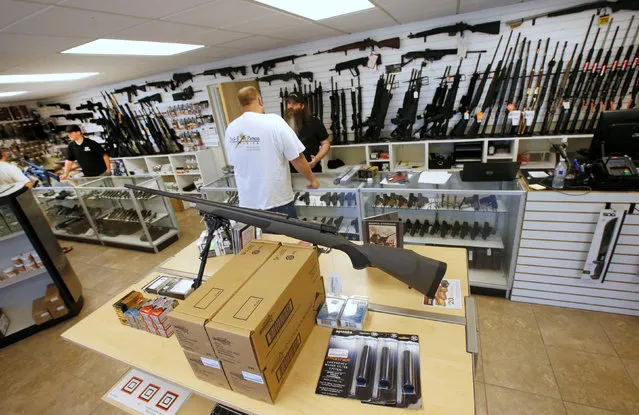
(484, 217)
(101, 210)
(38, 287)
(333, 204)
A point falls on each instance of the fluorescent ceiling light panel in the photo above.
(319, 9)
(11, 94)
(51, 77)
(131, 47)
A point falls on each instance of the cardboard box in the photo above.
(39, 311)
(258, 334)
(189, 318)
(207, 369)
(57, 310)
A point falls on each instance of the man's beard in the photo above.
(295, 119)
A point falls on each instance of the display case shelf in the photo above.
(493, 241)
(488, 278)
(11, 236)
(23, 276)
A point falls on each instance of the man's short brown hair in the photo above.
(247, 95)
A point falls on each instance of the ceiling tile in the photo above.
(466, 6)
(304, 33)
(360, 21)
(264, 25)
(223, 13)
(140, 8)
(216, 37)
(214, 52)
(31, 46)
(415, 10)
(158, 31)
(15, 10)
(60, 21)
(255, 43)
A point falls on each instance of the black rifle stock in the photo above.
(421, 273)
(287, 77)
(130, 91)
(392, 43)
(228, 71)
(165, 85)
(268, 65)
(353, 65)
(181, 78)
(491, 28)
(431, 55)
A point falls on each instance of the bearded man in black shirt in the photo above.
(90, 155)
(310, 130)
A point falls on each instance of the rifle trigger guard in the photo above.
(323, 250)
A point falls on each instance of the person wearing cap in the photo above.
(310, 130)
(90, 155)
(260, 146)
(10, 174)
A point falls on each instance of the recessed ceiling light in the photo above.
(317, 10)
(51, 77)
(11, 94)
(131, 47)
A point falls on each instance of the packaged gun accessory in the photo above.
(330, 312)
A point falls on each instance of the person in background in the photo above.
(90, 155)
(260, 147)
(10, 174)
(310, 130)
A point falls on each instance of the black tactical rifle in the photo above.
(383, 95)
(392, 43)
(510, 99)
(435, 107)
(431, 55)
(504, 86)
(269, 64)
(186, 94)
(356, 115)
(75, 116)
(66, 107)
(335, 113)
(544, 88)
(600, 6)
(151, 98)
(625, 74)
(287, 77)
(491, 28)
(130, 91)
(439, 123)
(421, 273)
(353, 65)
(182, 78)
(90, 106)
(407, 113)
(228, 71)
(464, 102)
(165, 85)
(342, 104)
(459, 129)
(557, 89)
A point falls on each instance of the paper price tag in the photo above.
(489, 252)
(372, 61)
(416, 95)
(514, 117)
(462, 46)
(529, 118)
(604, 20)
(566, 105)
(467, 115)
(210, 363)
(335, 284)
(470, 255)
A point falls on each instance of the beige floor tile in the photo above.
(107, 409)
(572, 329)
(576, 409)
(501, 314)
(623, 332)
(594, 380)
(528, 374)
(633, 369)
(480, 399)
(508, 401)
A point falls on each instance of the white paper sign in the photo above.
(434, 177)
(147, 394)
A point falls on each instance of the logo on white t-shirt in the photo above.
(245, 141)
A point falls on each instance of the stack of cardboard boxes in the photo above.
(244, 327)
(146, 314)
(48, 307)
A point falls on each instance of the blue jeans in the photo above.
(287, 209)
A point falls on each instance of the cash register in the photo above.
(614, 146)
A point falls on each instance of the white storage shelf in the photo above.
(356, 153)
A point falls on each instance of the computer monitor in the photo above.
(617, 133)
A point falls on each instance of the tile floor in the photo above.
(533, 360)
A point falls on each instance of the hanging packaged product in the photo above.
(375, 368)
(354, 313)
(329, 314)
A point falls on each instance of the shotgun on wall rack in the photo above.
(491, 28)
(419, 272)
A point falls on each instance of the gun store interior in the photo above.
(278, 207)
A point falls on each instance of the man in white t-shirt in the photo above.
(10, 174)
(260, 146)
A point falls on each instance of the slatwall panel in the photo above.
(569, 28)
(556, 235)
